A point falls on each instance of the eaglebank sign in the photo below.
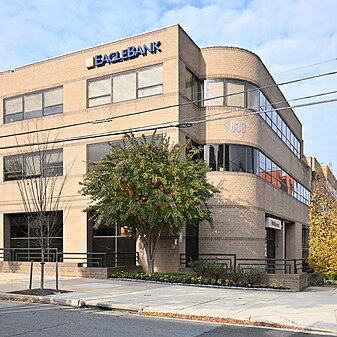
(128, 53)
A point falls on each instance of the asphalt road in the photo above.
(36, 320)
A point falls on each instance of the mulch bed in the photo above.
(219, 320)
(38, 292)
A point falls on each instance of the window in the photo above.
(253, 97)
(32, 106)
(28, 165)
(52, 101)
(150, 81)
(52, 163)
(13, 109)
(235, 94)
(268, 169)
(125, 86)
(99, 92)
(214, 88)
(263, 102)
(237, 158)
(240, 93)
(43, 103)
(13, 167)
(242, 158)
(193, 87)
(97, 151)
(24, 235)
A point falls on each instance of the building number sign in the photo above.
(233, 126)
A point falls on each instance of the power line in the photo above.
(159, 126)
(307, 66)
(109, 119)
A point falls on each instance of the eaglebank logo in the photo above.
(128, 53)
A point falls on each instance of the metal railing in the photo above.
(231, 262)
(87, 259)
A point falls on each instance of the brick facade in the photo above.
(245, 199)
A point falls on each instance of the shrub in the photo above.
(239, 278)
(208, 269)
(253, 276)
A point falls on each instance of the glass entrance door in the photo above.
(270, 249)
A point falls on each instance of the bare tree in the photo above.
(41, 179)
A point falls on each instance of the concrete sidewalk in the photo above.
(315, 308)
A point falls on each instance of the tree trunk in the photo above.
(42, 265)
(149, 258)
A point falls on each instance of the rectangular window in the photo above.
(28, 165)
(99, 91)
(235, 94)
(262, 165)
(150, 81)
(269, 110)
(253, 97)
(13, 167)
(53, 163)
(215, 89)
(97, 151)
(256, 161)
(237, 158)
(33, 105)
(192, 87)
(52, 101)
(263, 102)
(32, 165)
(268, 170)
(124, 87)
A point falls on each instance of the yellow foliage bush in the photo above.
(323, 232)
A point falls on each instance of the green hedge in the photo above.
(207, 274)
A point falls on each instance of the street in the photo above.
(36, 320)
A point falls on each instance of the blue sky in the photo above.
(286, 34)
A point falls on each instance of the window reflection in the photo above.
(33, 105)
(242, 158)
(243, 94)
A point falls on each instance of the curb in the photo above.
(81, 303)
(133, 309)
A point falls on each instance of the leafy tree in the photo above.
(323, 229)
(147, 185)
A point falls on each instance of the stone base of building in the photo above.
(71, 269)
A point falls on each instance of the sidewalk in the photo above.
(316, 308)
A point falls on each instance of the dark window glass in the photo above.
(213, 153)
(262, 165)
(13, 167)
(250, 163)
(192, 87)
(237, 158)
(256, 161)
(28, 165)
(97, 151)
(241, 158)
(53, 163)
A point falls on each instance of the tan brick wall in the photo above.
(239, 211)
